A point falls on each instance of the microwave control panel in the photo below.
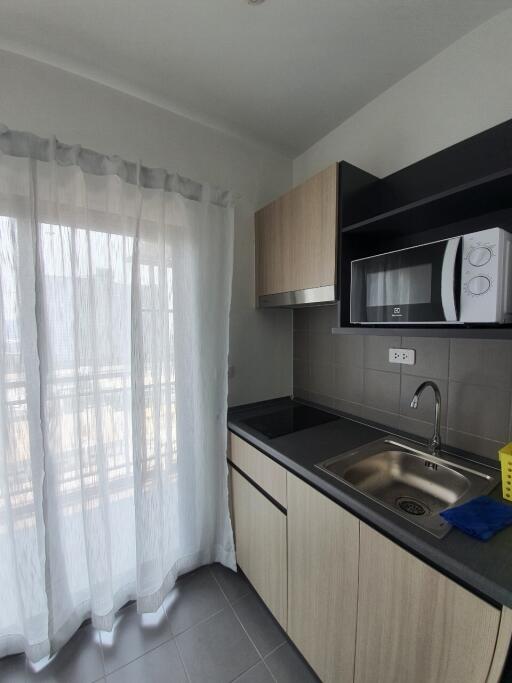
(485, 287)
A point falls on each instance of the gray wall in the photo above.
(459, 92)
(352, 373)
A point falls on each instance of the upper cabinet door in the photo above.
(415, 624)
(296, 237)
(323, 556)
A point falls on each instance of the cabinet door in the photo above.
(313, 242)
(323, 550)
(260, 538)
(273, 225)
(415, 624)
(296, 237)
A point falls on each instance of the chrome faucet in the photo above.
(435, 441)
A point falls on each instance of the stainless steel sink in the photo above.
(412, 482)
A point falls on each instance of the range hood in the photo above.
(299, 298)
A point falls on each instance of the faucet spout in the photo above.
(435, 441)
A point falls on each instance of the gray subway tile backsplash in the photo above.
(481, 361)
(479, 410)
(321, 347)
(349, 349)
(382, 390)
(321, 378)
(432, 357)
(300, 345)
(376, 353)
(352, 373)
(301, 376)
(349, 383)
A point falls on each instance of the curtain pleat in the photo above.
(114, 312)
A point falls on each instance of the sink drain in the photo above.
(412, 506)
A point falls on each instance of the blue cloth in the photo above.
(482, 517)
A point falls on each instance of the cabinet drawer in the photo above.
(267, 474)
(260, 538)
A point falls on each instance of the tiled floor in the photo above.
(213, 628)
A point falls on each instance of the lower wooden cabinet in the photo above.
(415, 624)
(359, 607)
(323, 557)
(260, 538)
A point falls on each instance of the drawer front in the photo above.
(267, 474)
(260, 537)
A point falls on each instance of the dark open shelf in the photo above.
(462, 189)
(451, 331)
(474, 198)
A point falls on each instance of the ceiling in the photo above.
(285, 72)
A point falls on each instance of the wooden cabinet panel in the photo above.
(415, 624)
(260, 538)
(296, 237)
(313, 241)
(323, 554)
(502, 646)
(261, 469)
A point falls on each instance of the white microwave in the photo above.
(465, 279)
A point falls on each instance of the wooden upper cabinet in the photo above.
(415, 624)
(296, 237)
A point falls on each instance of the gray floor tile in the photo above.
(217, 650)
(79, 661)
(12, 669)
(259, 623)
(133, 635)
(195, 597)
(258, 674)
(233, 584)
(161, 665)
(287, 666)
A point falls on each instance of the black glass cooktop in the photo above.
(289, 420)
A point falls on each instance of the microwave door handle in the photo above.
(448, 279)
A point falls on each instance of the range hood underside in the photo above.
(299, 298)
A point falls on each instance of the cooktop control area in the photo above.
(288, 420)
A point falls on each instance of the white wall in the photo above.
(460, 92)
(44, 100)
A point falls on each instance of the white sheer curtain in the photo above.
(115, 284)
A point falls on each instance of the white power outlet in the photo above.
(404, 356)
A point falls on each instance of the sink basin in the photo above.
(411, 482)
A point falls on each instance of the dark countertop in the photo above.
(483, 567)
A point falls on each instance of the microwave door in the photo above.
(407, 286)
(450, 279)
